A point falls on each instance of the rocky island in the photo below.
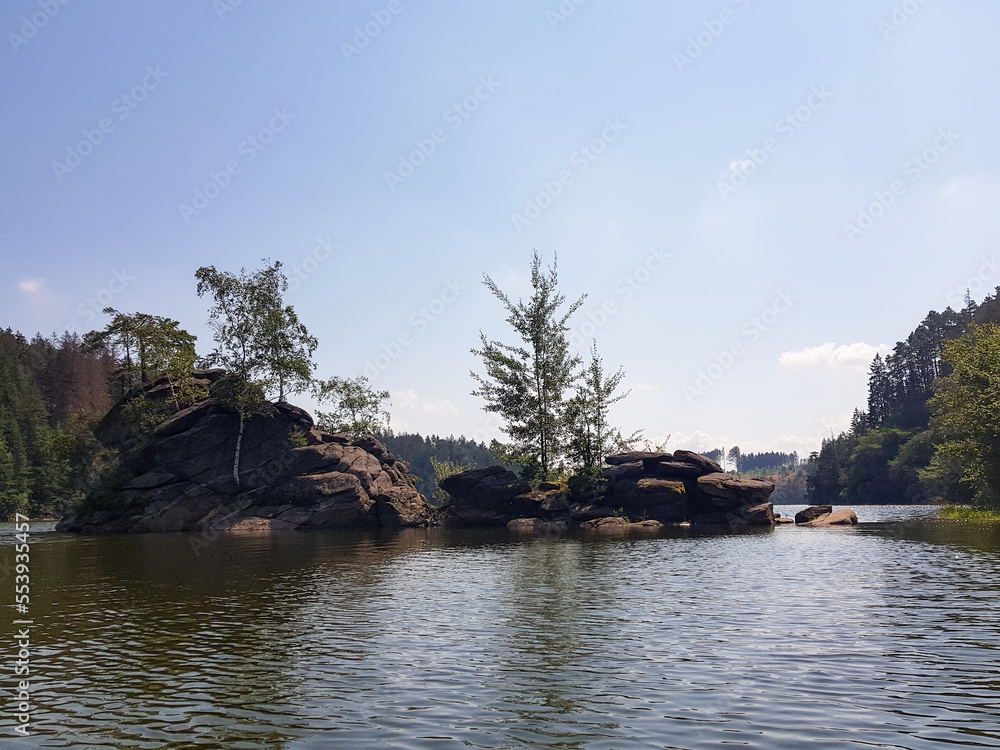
(179, 476)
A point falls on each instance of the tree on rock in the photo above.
(590, 435)
(527, 384)
(357, 407)
(259, 340)
(144, 347)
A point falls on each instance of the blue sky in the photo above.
(754, 196)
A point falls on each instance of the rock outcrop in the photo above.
(844, 517)
(179, 476)
(665, 488)
(812, 512)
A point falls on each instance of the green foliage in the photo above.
(443, 470)
(590, 436)
(44, 464)
(966, 408)
(965, 513)
(867, 477)
(357, 407)
(298, 439)
(244, 397)
(895, 452)
(143, 412)
(144, 348)
(418, 451)
(288, 350)
(527, 384)
(258, 338)
(587, 483)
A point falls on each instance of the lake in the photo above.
(884, 635)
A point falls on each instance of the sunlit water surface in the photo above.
(886, 635)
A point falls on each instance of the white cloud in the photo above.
(858, 354)
(739, 165)
(33, 286)
(410, 400)
(643, 387)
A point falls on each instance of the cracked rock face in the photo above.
(179, 476)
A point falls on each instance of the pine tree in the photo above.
(527, 384)
(590, 436)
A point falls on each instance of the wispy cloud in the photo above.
(858, 354)
(410, 400)
(642, 387)
(35, 286)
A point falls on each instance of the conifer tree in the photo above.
(526, 384)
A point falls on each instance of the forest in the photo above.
(931, 429)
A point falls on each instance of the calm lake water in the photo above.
(886, 635)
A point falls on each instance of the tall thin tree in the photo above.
(527, 384)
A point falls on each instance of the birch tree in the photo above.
(259, 340)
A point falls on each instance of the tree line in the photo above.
(931, 430)
(52, 390)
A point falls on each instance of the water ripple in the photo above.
(879, 636)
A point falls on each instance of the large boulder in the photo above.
(844, 517)
(728, 492)
(758, 515)
(813, 512)
(707, 465)
(655, 498)
(624, 470)
(492, 496)
(632, 456)
(179, 476)
(678, 470)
